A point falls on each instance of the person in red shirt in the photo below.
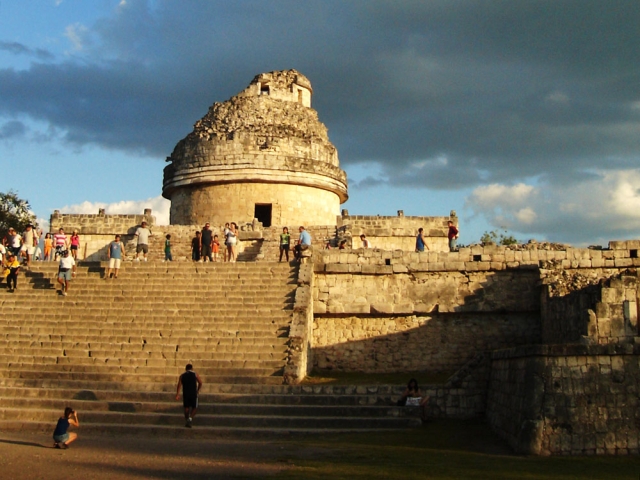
(453, 236)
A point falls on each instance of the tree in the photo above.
(14, 212)
(494, 237)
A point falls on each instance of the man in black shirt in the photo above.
(191, 384)
(206, 242)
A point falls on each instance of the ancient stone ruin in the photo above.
(539, 339)
(261, 154)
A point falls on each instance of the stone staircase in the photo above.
(113, 350)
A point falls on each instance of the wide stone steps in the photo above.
(113, 349)
(206, 406)
(87, 418)
(28, 389)
(121, 375)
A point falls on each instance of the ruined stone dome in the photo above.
(268, 133)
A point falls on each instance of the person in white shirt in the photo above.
(66, 271)
(142, 234)
(365, 242)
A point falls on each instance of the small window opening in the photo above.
(264, 89)
(387, 261)
(300, 97)
(633, 253)
(477, 258)
(263, 213)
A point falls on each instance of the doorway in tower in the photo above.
(263, 213)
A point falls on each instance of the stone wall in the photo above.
(437, 343)
(99, 224)
(590, 306)
(396, 233)
(566, 399)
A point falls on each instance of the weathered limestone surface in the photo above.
(267, 137)
(291, 205)
(567, 399)
(437, 343)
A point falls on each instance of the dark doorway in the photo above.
(263, 213)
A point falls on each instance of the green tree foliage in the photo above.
(14, 212)
(498, 238)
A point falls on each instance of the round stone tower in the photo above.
(261, 154)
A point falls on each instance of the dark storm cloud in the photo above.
(12, 129)
(439, 93)
(20, 49)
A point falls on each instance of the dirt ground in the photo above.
(32, 456)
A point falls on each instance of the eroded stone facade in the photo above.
(269, 139)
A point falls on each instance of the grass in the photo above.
(330, 377)
(443, 449)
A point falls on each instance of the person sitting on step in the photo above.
(61, 437)
(412, 397)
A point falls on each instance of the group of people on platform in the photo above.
(205, 246)
(18, 251)
(301, 245)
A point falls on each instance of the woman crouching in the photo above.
(61, 437)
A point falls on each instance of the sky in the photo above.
(519, 115)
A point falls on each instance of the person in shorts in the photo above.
(74, 244)
(191, 384)
(59, 243)
(13, 242)
(167, 249)
(215, 247)
(142, 234)
(29, 243)
(61, 437)
(115, 254)
(66, 271)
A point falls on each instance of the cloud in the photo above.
(159, 208)
(77, 35)
(591, 211)
(12, 129)
(439, 94)
(20, 49)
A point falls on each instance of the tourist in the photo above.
(195, 248)
(167, 249)
(226, 247)
(37, 255)
(74, 243)
(13, 242)
(48, 247)
(421, 241)
(412, 397)
(285, 241)
(115, 254)
(66, 271)
(29, 243)
(365, 242)
(452, 235)
(206, 243)
(60, 243)
(215, 248)
(12, 267)
(61, 437)
(191, 384)
(304, 243)
(343, 245)
(142, 234)
(232, 242)
(3, 252)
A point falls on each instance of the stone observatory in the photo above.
(261, 154)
